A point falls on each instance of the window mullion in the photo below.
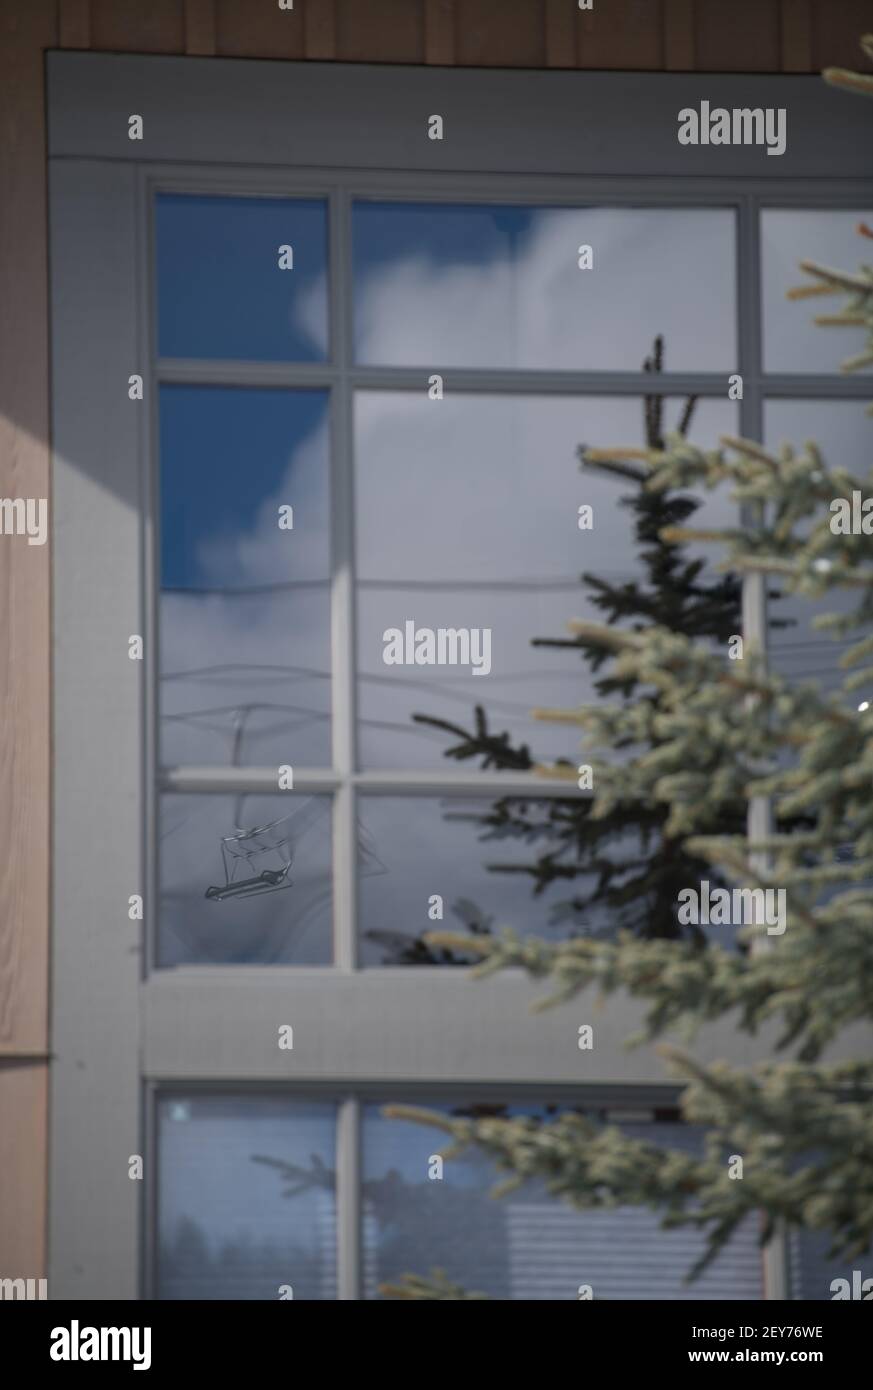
(342, 587)
(760, 816)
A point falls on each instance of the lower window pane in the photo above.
(245, 880)
(227, 1229)
(817, 1277)
(247, 1210)
(528, 1245)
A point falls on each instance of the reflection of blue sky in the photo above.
(490, 286)
(459, 234)
(221, 292)
(229, 458)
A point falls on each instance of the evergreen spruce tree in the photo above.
(719, 731)
(622, 863)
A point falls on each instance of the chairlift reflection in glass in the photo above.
(258, 859)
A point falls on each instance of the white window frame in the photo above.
(121, 1030)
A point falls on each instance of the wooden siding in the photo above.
(23, 1154)
(26, 29)
(666, 35)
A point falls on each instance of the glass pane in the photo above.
(245, 602)
(468, 519)
(431, 845)
(490, 286)
(516, 863)
(814, 1272)
(792, 342)
(527, 1245)
(245, 880)
(227, 1228)
(221, 289)
(843, 432)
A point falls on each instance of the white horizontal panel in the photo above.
(432, 1024)
(310, 114)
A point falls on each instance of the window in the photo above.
(255, 622)
(366, 369)
(248, 1210)
(814, 1272)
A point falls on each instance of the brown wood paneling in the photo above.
(679, 35)
(319, 29)
(560, 22)
(743, 36)
(259, 30)
(25, 29)
(672, 35)
(625, 34)
(501, 33)
(23, 1145)
(130, 26)
(796, 35)
(200, 27)
(836, 30)
(383, 31)
(439, 31)
(74, 23)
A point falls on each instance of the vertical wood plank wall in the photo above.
(26, 29)
(665, 35)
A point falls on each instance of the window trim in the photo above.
(170, 1027)
(362, 115)
(341, 377)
